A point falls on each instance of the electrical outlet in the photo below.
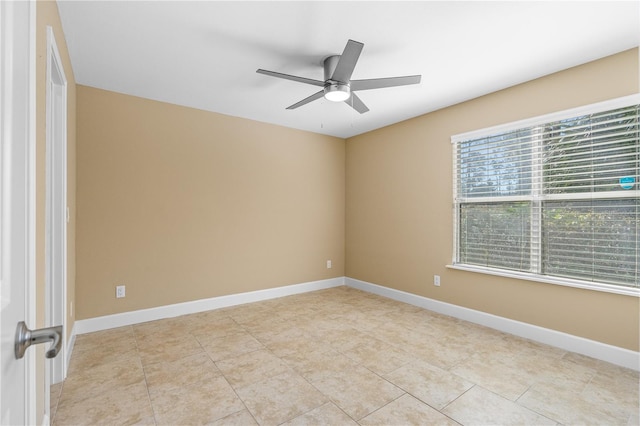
(120, 291)
(328, 264)
(71, 309)
(436, 280)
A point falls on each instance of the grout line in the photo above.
(55, 411)
(144, 374)
(239, 399)
(523, 393)
(458, 397)
(382, 406)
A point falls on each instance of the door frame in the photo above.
(18, 113)
(56, 205)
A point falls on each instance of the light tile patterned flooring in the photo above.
(334, 357)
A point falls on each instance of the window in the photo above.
(555, 198)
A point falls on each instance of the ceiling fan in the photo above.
(337, 85)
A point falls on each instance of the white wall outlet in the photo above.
(436, 280)
(120, 291)
(328, 264)
(71, 309)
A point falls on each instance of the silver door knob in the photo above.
(26, 338)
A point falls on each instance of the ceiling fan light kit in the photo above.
(337, 92)
(337, 85)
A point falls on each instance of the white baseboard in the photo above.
(70, 344)
(609, 353)
(168, 311)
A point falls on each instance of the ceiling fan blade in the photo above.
(356, 103)
(379, 83)
(347, 62)
(305, 101)
(292, 77)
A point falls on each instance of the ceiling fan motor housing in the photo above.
(330, 64)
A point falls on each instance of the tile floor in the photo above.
(333, 357)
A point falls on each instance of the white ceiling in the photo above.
(205, 54)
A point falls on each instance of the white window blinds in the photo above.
(558, 197)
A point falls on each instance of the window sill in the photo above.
(608, 288)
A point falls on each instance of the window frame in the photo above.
(537, 198)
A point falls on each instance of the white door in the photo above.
(17, 207)
(56, 202)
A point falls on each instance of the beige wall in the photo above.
(180, 204)
(399, 226)
(47, 15)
